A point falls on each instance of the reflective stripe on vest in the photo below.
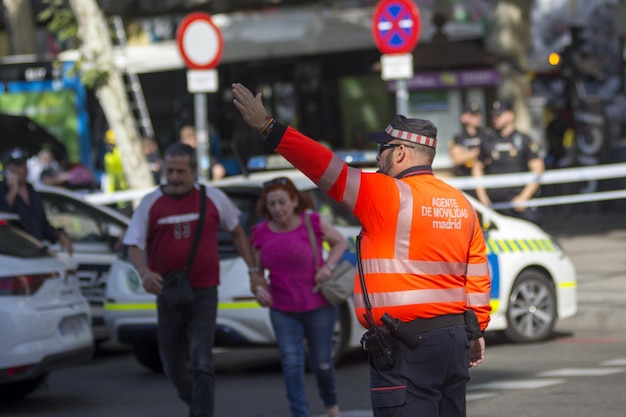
(409, 266)
(404, 298)
(405, 221)
(353, 181)
(331, 174)
(351, 190)
(477, 299)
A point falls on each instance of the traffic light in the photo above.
(554, 59)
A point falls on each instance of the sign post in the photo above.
(396, 27)
(200, 45)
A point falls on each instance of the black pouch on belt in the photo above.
(473, 327)
(400, 331)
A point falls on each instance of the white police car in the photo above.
(44, 319)
(533, 281)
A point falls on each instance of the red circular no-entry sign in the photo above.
(396, 26)
(199, 41)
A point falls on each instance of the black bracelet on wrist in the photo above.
(267, 129)
(267, 123)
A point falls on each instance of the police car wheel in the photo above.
(532, 309)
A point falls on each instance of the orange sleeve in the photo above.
(307, 155)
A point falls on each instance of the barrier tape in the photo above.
(565, 199)
(557, 176)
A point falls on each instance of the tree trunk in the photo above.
(96, 50)
(22, 27)
(509, 36)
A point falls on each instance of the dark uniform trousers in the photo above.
(427, 381)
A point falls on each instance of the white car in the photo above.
(533, 281)
(44, 319)
(96, 232)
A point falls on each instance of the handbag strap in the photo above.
(309, 229)
(198, 232)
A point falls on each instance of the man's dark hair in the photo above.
(426, 152)
(181, 149)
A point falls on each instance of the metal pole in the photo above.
(402, 97)
(202, 136)
(622, 81)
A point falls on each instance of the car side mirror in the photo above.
(488, 225)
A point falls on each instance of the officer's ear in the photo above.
(405, 151)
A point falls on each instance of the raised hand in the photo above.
(250, 106)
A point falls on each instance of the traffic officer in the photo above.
(465, 146)
(509, 151)
(423, 261)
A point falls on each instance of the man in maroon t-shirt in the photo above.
(159, 238)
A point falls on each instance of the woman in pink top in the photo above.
(281, 245)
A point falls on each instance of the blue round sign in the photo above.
(396, 26)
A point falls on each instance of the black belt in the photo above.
(439, 322)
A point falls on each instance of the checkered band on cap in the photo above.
(411, 137)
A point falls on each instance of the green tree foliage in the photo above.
(60, 21)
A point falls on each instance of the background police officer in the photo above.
(509, 151)
(465, 146)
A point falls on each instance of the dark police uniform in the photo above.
(469, 142)
(503, 155)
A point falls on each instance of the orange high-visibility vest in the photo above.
(422, 247)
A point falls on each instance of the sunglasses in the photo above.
(382, 147)
(276, 181)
